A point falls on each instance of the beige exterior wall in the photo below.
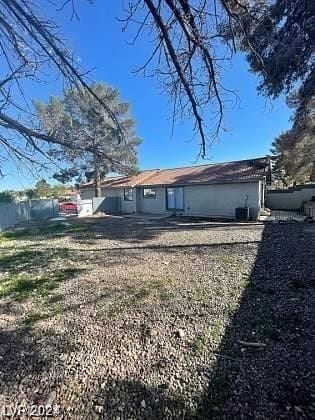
(87, 194)
(208, 200)
(155, 205)
(126, 206)
(200, 200)
(221, 200)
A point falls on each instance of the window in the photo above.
(175, 198)
(128, 194)
(149, 193)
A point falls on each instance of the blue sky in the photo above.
(100, 44)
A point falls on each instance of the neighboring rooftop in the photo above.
(240, 170)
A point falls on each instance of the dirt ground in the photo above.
(125, 318)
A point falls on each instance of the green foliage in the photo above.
(6, 197)
(21, 287)
(66, 175)
(30, 193)
(294, 153)
(200, 342)
(281, 43)
(29, 272)
(46, 231)
(79, 118)
(294, 150)
(280, 48)
(200, 295)
(214, 332)
(42, 189)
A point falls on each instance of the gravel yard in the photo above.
(124, 318)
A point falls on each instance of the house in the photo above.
(213, 190)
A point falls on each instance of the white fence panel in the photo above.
(44, 209)
(25, 211)
(13, 213)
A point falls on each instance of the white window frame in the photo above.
(151, 195)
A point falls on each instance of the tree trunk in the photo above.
(97, 178)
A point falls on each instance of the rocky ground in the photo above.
(121, 318)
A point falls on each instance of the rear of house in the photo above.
(209, 190)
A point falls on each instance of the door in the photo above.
(139, 193)
(175, 198)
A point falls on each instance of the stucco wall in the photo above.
(208, 200)
(200, 200)
(87, 194)
(155, 205)
(126, 206)
(291, 198)
(222, 199)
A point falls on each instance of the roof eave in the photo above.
(191, 184)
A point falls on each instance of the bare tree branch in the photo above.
(189, 50)
(30, 134)
(29, 45)
(189, 53)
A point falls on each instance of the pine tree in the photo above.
(81, 119)
(279, 43)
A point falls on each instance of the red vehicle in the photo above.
(68, 207)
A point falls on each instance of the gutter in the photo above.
(239, 181)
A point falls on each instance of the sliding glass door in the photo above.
(175, 198)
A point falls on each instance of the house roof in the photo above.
(237, 171)
(123, 181)
(244, 170)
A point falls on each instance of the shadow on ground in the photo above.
(122, 229)
(84, 230)
(265, 364)
(25, 259)
(266, 368)
(265, 361)
(26, 358)
(138, 401)
(33, 272)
